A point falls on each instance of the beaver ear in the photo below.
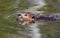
(33, 17)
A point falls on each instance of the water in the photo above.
(35, 30)
(16, 4)
(37, 2)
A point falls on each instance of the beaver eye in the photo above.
(19, 15)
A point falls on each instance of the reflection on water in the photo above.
(37, 2)
(35, 30)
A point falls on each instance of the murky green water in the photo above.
(8, 27)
